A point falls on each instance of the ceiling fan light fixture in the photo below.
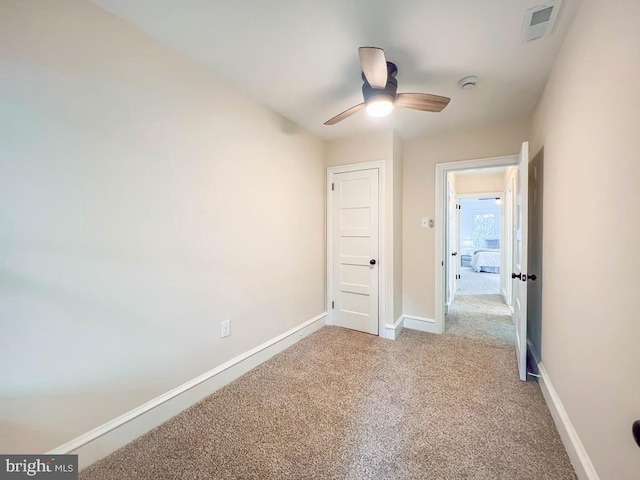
(380, 106)
(379, 89)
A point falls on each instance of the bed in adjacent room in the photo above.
(486, 260)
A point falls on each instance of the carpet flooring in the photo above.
(342, 404)
(481, 317)
(474, 283)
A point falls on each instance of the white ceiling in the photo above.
(300, 57)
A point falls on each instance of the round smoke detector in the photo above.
(468, 83)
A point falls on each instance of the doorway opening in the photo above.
(477, 308)
(476, 222)
(480, 240)
(475, 238)
(504, 316)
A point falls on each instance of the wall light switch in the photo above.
(427, 222)
(225, 328)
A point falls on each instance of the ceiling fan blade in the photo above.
(374, 66)
(422, 101)
(345, 114)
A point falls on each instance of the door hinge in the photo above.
(333, 305)
(459, 207)
(333, 187)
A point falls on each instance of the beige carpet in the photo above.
(481, 317)
(475, 283)
(346, 405)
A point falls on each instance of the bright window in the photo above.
(484, 226)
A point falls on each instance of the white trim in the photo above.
(440, 232)
(354, 167)
(481, 194)
(107, 438)
(382, 244)
(392, 331)
(419, 323)
(504, 296)
(572, 443)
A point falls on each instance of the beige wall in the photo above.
(420, 158)
(492, 183)
(588, 122)
(369, 147)
(142, 201)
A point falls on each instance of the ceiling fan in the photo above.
(379, 89)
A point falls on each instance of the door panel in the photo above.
(350, 246)
(520, 261)
(354, 275)
(452, 245)
(534, 288)
(355, 245)
(510, 229)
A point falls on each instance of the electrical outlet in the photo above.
(225, 328)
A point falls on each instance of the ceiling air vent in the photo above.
(538, 21)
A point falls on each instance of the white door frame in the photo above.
(441, 192)
(481, 194)
(448, 280)
(509, 204)
(382, 260)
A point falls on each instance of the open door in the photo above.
(452, 245)
(519, 275)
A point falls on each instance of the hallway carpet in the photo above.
(474, 283)
(481, 317)
(346, 405)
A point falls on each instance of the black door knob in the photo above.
(636, 431)
(454, 254)
(532, 277)
(372, 261)
(513, 275)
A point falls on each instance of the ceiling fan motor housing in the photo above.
(369, 93)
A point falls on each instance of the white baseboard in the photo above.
(504, 296)
(106, 439)
(392, 331)
(419, 323)
(572, 443)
